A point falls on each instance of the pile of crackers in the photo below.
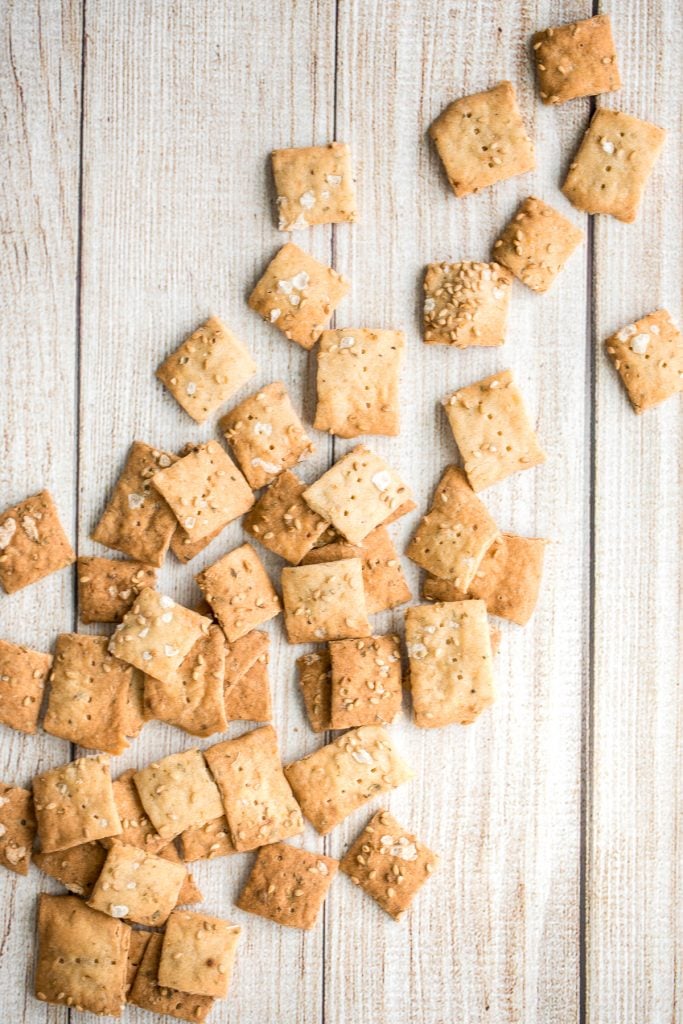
(121, 846)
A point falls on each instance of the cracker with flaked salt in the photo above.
(366, 685)
(315, 683)
(314, 185)
(576, 60)
(288, 885)
(137, 885)
(198, 954)
(32, 543)
(207, 841)
(157, 634)
(466, 304)
(107, 587)
(74, 804)
(23, 674)
(149, 995)
(325, 601)
(537, 243)
(17, 828)
(648, 356)
(177, 792)
(282, 521)
(246, 685)
(239, 591)
(77, 868)
(191, 698)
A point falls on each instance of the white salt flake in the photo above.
(269, 467)
(170, 651)
(135, 500)
(263, 428)
(191, 388)
(382, 480)
(607, 146)
(347, 342)
(430, 305)
(362, 756)
(640, 343)
(625, 333)
(28, 525)
(118, 910)
(274, 315)
(417, 651)
(307, 200)
(7, 531)
(333, 179)
(166, 602)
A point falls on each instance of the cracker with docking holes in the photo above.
(198, 954)
(314, 185)
(17, 828)
(32, 543)
(537, 243)
(149, 995)
(107, 587)
(23, 674)
(74, 804)
(466, 304)
(157, 634)
(325, 601)
(239, 591)
(77, 868)
(648, 356)
(288, 885)
(177, 792)
(246, 685)
(366, 683)
(137, 885)
(315, 683)
(576, 60)
(283, 522)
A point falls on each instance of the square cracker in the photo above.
(32, 542)
(191, 698)
(107, 587)
(136, 952)
(492, 430)
(288, 885)
(137, 520)
(89, 693)
(454, 536)
(198, 953)
(612, 165)
(537, 243)
(315, 683)
(648, 355)
(466, 304)
(357, 494)
(576, 60)
(178, 792)
(74, 804)
(283, 522)
(338, 779)
(451, 664)
(509, 576)
(298, 295)
(366, 685)
(149, 995)
(207, 841)
(266, 434)
(136, 828)
(246, 686)
(314, 185)
(207, 369)
(137, 885)
(23, 673)
(205, 491)
(358, 382)
(389, 863)
(82, 956)
(17, 828)
(481, 140)
(239, 591)
(259, 804)
(77, 868)
(325, 601)
(157, 634)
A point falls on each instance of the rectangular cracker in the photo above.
(509, 577)
(32, 542)
(648, 356)
(246, 687)
(366, 684)
(107, 587)
(137, 520)
(288, 885)
(314, 185)
(259, 804)
(466, 304)
(384, 584)
(177, 792)
(338, 779)
(207, 841)
(282, 521)
(358, 382)
(325, 601)
(315, 684)
(23, 674)
(17, 828)
(537, 243)
(239, 591)
(576, 60)
(137, 885)
(77, 868)
(451, 664)
(157, 634)
(198, 954)
(147, 994)
(136, 828)
(74, 804)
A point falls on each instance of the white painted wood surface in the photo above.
(556, 814)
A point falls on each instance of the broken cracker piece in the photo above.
(315, 683)
(17, 828)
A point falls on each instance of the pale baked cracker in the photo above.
(315, 684)
(288, 885)
(246, 686)
(157, 634)
(198, 953)
(178, 792)
(466, 304)
(191, 698)
(207, 841)
(32, 542)
(648, 355)
(17, 828)
(282, 521)
(537, 243)
(137, 885)
(136, 828)
(23, 674)
(107, 587)
(314, 185)
(509, 577)
(366, 683)
(147, 994)
(576, 60)
(74, 804)
(77, 868)
(325, 601)
(239, 591)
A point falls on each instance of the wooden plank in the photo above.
(635, 937)
(495, 936)
(40, 98)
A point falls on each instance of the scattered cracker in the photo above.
(17, 828)
(315, 683)
(246, 687)
(147, 993)
(239, 591)
(177, 793)
(157, 634)
(107, 587)
(191, 698)
(283, 522)
(358, 382)
(451, 664)
(648, 356)
(435, 589)
(189, 891)
(338, 779)
(576, 60)
(366, 686)
(258, 802)
(509, 577)
(481, 140)
(384, 584)
(537, 243)
(492, 430)
(23, 673)
(136, 828)
(32, 543)
(314, 185)
(77, 868)
(185, 549)
(208, 841)
(325, 601)
(389, 863)
(198, 954)
(207, 369)
(612, 165)
(74, 804)
(288, 885)
(466, 304)
(137, 885)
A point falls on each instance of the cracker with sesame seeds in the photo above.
(466, 304)
(17, 828)
(509, 577)
(266, 434)
(77, 868)
(82, 959)
(191, 698)
(366, 685)
(239, 591)
(314, 185)
(282, 521)
(648, 356)
(207, 841)
(32, 543)
(136, 951)
(358, 382)
(136, 828)
(198, 954)
(315, 683)
(89, 693)
(207, 369)
(357, 494)
(259, 805)
(337, 779)
(23, 674)
(453, 537)
(149, 995)
(137, 520)
(298, 295)
(137, 885)
(492, 430)
(389, 863)
(384, 584)
(177, 792)
(157, 634)
(451, 663)
(185, 549)
(576, 60)
(325, 601)
(612, 164)
(288, 885)
(537, 243)
(481, 139)
(74, 804)
(107, 587)
(246, 685)
(189, 891)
